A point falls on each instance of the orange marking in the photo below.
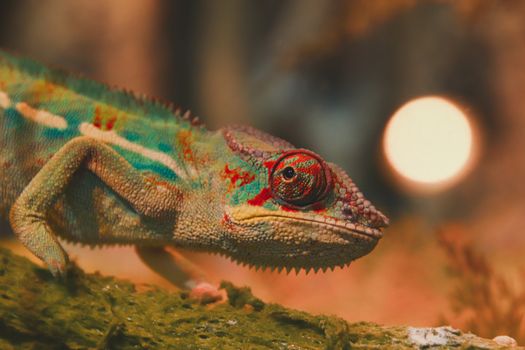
(153, 180)
(185, 140)
(97, 121)
(40, 162)
(261, 197)
(42, 91)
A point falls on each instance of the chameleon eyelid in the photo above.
(325, 170)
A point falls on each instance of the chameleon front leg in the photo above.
(179, 271)
(29, 212)
(172, 266)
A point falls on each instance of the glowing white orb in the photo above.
(428, 140)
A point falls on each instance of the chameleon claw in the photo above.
(58, 268)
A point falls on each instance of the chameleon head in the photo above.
(298, 211)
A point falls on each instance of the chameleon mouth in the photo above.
(254, 214)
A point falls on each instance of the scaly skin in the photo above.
(95, 165)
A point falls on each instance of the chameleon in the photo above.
(84, 162)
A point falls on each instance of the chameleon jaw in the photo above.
(253, 214)
(295, 240)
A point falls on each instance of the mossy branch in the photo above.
(90, 311)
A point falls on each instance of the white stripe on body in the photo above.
(5, 102)
(112, 137)
(55, 121)
(41, 117)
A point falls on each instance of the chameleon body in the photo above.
(96, 165)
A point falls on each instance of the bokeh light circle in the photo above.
(429, 140)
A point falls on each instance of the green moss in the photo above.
(98, 312)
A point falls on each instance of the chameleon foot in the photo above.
(206, 293)
(58, 267)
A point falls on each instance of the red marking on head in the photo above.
(299, 163)
(299, 158)
(237, 174)
(287, 208)
(319, 207)
(269, 165)
(261, 197)
(97, 121)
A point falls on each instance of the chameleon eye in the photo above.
(300, 178)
